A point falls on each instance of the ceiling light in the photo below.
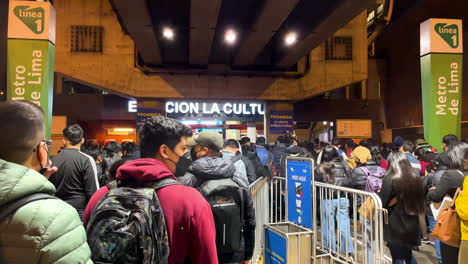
(168, 33)
(123, 129)
(230, 36)
(290, 38)
(325, 123)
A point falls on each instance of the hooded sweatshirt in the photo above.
(189, 220)
(292, 151)
(206, 169)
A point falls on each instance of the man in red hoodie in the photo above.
(189, 220)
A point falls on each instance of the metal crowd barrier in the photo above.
(347, 235)
(260, 197)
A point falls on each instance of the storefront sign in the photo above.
(31, 52)
(354, 128)
(441, 78)
(248, 111)
(145, 113)
(281, 122)
(299, 191)
(275, 248)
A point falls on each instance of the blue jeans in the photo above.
(366, 225)
(330, 218)
(432, 223)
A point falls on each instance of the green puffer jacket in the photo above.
(44, 231)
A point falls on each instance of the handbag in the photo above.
(447, 228)
(367, 209)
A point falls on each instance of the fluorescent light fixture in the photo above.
(290, 38)
(123, 129)
(190, 122)
(332, 124)
(168, 33)
(230, 36)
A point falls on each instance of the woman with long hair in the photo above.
(402, 194)
(448, 184)
(334, 209)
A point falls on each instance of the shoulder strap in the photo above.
(112, 185)
(366, 170)
(242, 206)
(11, 207)
(166, 182)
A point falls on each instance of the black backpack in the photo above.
(226, 199)
(128, 226)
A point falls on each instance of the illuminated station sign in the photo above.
(246, 111)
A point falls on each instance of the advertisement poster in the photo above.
(281, 122)
(275, 248)
(299, 194)
(145, 113)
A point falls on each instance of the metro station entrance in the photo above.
(234, 119)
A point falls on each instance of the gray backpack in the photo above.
(128, 226)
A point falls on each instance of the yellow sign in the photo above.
(31, 20)
(354, 128)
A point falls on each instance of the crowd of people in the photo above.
(180, 198)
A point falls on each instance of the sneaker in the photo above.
(427, 241)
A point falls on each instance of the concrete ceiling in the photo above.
(200, 25)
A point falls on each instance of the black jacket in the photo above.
(401, 229)
(448, 184)
(249, 167)
(76, 179)
(278, 152)
(341, 171)
(292, 151)
(206, 169)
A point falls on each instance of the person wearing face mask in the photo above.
(76, 179)
(216, 178)
(188, 217)
(35, 227)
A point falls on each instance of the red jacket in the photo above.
(188, 215)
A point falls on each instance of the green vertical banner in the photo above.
(31, 54)
(441, 78)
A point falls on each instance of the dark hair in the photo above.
(407, 184)
(22, 124)
(244, 140)
(376, 154)
(364, 143)
(329, 153)
(283, 139)
(128, 148)
(456, 155)
(327, 172)
(93, 150)
(261, 140)
(159, 130)
(113, 147)
(408, 146)
(449, 140)
(336, 142)
(309, 146)
(231, 143)
(431, 157)
(106, 165)
(420, 152)
(73, 133)
(114, 168)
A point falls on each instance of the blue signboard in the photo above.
(299, 192)
(275, 248)
(281, 122)
(145, 113)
